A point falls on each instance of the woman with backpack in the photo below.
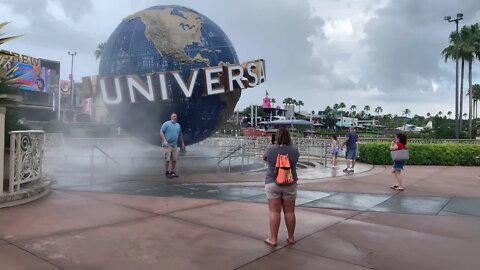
(281, 185)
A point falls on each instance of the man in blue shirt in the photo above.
(170, 132)
(351, 153)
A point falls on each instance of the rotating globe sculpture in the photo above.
(163, 39)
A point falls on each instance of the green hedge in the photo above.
(424, 154)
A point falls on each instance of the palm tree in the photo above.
(287, 101)
(300, 104)
(352, 110)
(273, 102)
(428, 114)
(406, 112)
(440, 113)
(468, 43)
(449, 113)
(450, 53)
(367, 110)
(476, 97)
(99, 50)
(378, 110)
(470, 38)
(7, 77)
(295, 103)
(8, 90)
(342, 106)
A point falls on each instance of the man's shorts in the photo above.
(170, 153)
(351, 154)
(274, 191)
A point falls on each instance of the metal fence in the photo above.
(26, 157)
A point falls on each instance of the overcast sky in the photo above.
(364, 52)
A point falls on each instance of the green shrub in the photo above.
(424, 154)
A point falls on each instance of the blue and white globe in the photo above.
(163, 39)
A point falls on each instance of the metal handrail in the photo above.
(105, 153)
(230, 154)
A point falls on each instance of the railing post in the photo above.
(325, 153)
(11, 177)
(229, 163)
(91, 162)
(243, 154)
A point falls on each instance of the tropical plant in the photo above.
(99, 50)
(8, 81)
(341, 106)
(476, 97)
(378, 110)
(300, 104)
(468, 43)
(449, 113)
(450, 52)
(8, 75)
(367, 110)
(273, 102)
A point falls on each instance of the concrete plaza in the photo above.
(219, 221)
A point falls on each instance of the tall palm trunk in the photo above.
(470, 99)
(460, 112)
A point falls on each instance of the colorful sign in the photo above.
(39, 75)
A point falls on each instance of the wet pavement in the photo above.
(219, 221)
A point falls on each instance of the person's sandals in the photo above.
(290, 242)
(395, 187)
(268, 242)
(173, 174)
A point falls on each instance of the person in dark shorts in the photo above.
(351, 154)
(400, 143)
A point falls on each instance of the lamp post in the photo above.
(71, 84)
(458, 117)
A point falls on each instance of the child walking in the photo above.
(335, 150)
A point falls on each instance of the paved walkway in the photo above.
(218, 221)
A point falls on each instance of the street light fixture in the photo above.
(458, 117)
(71, 84)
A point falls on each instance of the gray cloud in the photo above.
(393, 49)
(404, 45)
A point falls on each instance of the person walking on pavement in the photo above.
(351, 154)
(400, 143)
(335, 150)
(170, 132)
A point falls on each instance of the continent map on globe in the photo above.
(150, 60)
(182, 30)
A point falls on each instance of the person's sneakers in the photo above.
(168, 174)
(173, 174)
(350, 170)
(346, 169)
